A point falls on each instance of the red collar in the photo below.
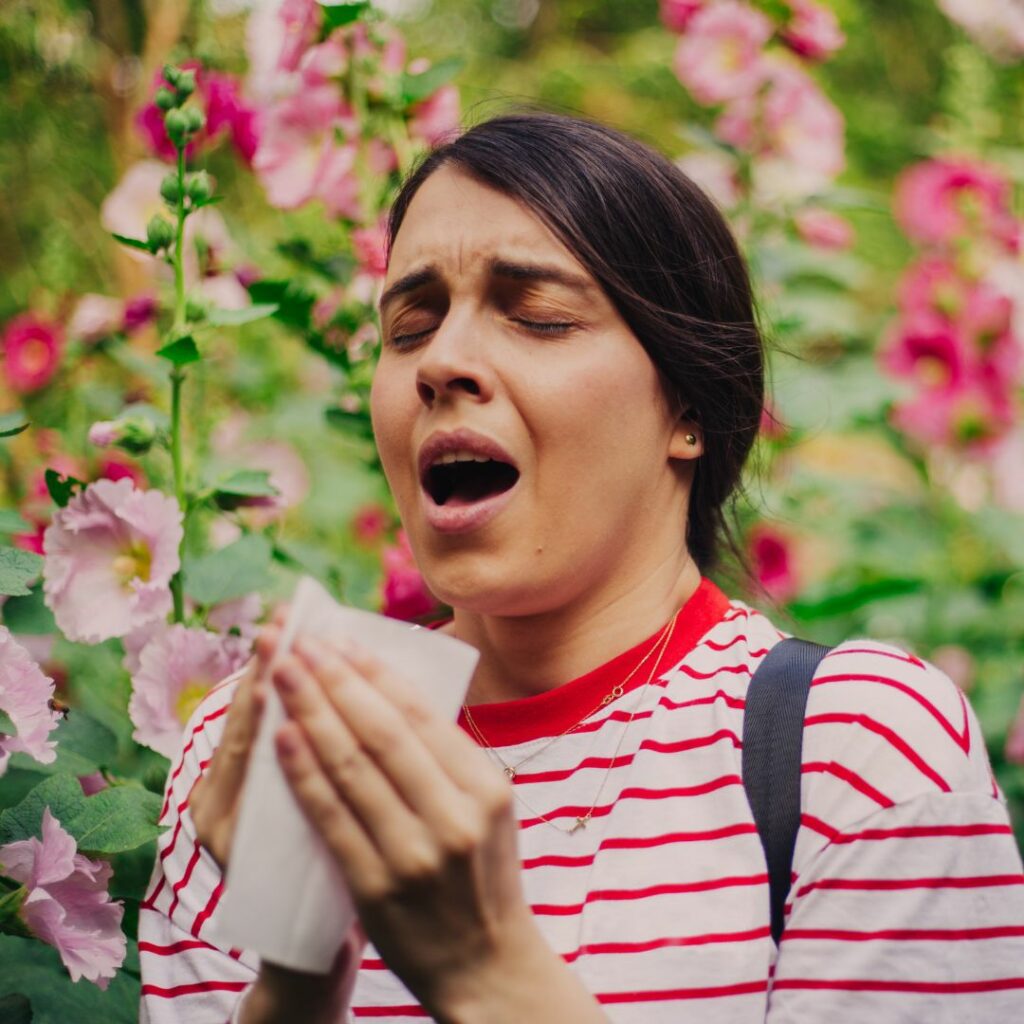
(550, 713)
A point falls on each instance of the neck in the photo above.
(521, 656)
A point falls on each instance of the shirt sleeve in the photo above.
(186, 976)
(907, 902)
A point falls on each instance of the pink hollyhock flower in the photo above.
(227, 111)
(110, 556)
(405, 594)
(715, 172)
(676, 15)
(370, 246)
(133, 201)
(242, 615)
(972, 411)
(774, 562)
(24, 696)
(933, 285)
(995, 25)
(95, 317)
(337, 185)
(176, 668)
(139, 311)
(68, 905)
(92, 783)
(771, 426)
(32, 540)
(370, 523)
(149, 121)
(812, 30)
(300, 21)
(937, 201)
(792, 128)
(719, 57)
(103, 433)
(823, 229)
(380, 52)
(326, 63)
(927, 349)
(436, 119)
(32, 349)
(119, 467)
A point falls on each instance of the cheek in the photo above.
(391, 414)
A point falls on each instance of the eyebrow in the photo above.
(532, 272)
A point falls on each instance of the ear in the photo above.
(687, 441)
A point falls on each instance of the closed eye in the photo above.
(544, 326)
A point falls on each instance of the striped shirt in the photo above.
(907, 901)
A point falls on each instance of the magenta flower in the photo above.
(969, 412)
(436, 119)
(370, 246)
(812, 30)
(176, 669)
(67, 905)
(405, 594)
(24, 695)
(139, 311)
(110, 556)
(32, 349)
(95, 317)
(676, 15)
(774, 561)
(938, 201)
(227, 112)
(369, 524)
(926, 348)
(823, 229)
(719, 57)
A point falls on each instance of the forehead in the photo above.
(457, 225)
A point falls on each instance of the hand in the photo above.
(214, 800)
(418, 818)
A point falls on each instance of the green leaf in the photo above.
(12, 423)
(419, 87)
(11, 522)
(237, 317)
(233, 571)
(357, 423)
(15, 1009)
(242, 484)
(10, 902)
(33, 969)
(17, 570)
(342, 12)
(6, 725)
(61, 488)
(115, 819)
(84, 746)
(29, 614)
(181, 351)
(294, 302)
(133, 243)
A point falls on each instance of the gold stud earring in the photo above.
(691, 438)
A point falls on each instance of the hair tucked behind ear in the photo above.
(663, 254)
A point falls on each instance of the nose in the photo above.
(452, 365)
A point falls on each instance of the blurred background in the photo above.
(869, 155)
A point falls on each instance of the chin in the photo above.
(482, 585)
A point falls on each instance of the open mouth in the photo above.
(455, 480)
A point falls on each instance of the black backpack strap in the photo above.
(773, 734)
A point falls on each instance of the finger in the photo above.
(464, 761)
(394, 828)
(394, 744)
(267, 640)
(341, 830)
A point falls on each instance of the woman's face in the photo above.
(521, 425)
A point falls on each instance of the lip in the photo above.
(461, 518)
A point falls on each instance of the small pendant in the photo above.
(510, 773)
(580, 823)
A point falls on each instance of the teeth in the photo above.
(450, 457)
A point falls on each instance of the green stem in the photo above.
(177, 379)
(179, 240)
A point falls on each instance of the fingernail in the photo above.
(287, 744)
(283, 680)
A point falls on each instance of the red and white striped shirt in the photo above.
(908, 893)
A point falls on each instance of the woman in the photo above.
(570, 373)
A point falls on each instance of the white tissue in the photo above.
(284, 897)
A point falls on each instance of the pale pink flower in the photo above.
(677, 14)
(68, 905)
(823, 229)
(32, 348)
(1006, 459)
(95, 317)
(996, 25)
(793, 130)
(326, 63)
(1014, 749)
(957, 662)
(24, 695)
(774, 562)
(277, 34)
(380, 157)
(133, 201)
(938, 201)
(370, 247)
(933, 285)
(405, 594)
(104, 433)
(715, 172)
(969, 412)
(719, 57)
(224, 292)
(812, 30)
(177, 668)
(300, 22)
(337, 185)
(435, 120)
(110, 556)
(379, 51)
(241, 615)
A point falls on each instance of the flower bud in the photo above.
(176, 122)
(170, 189)
(137, 434)
(159, 232)
(186, 84)
(194, 119)
(194, 310)
(165, 99)
(170, 74)
(199, 187)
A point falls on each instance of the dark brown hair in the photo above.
(665, 257)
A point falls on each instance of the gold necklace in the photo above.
(616, 691)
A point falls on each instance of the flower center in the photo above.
(934, 371)
(134, 562)
(35, 355)
(189, 698)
